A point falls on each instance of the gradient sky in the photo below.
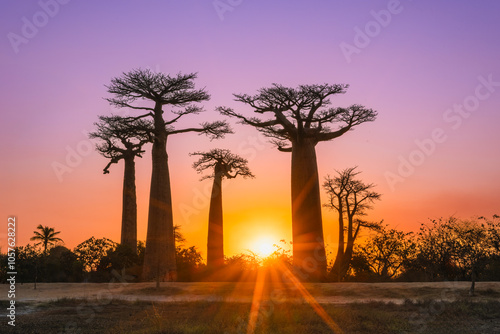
(427, 58)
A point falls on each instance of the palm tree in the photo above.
(46, 235)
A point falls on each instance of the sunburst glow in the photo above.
(263, 246)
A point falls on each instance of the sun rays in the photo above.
(271, 279)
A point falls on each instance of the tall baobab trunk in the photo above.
(159, 257)
(307, 227)
(129, 208)
(337, 265)
(215, 242)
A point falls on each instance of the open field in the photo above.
(209, 307)
(324, 293)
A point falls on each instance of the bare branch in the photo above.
(250, 121)
(214, 130)
(300, 113)
(120, 137)
(223, 163)
(352, 116)
(192, 109)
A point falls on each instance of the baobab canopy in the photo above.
(297, 119)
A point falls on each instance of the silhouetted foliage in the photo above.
(387, 253)
(123, 139)
(222, 164)
(299, 119)
(241, 267)
(435, 250)
(444, 249)
(154, 91)
(281, 255)
(473, 249)
(359, 269)
(453, 249)
(351, 198)
(122, 259)
(189, 264)
(46, 237)
(61, 265)
(28, 263)
(91, 251)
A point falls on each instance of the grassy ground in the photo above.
(243, 291)
(217, 307)
(116, 317)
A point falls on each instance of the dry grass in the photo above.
(119, 317)
(225, 307)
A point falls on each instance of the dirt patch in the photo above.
(334, 293)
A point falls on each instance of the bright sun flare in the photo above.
(263, 246)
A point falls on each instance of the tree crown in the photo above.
(222, 161)
(161, 89)
(46, 235)
(300, 113)
(164, 89)
(354, 195)
(120, 137)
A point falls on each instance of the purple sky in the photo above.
(415, 68)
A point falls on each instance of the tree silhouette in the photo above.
(388, 251)
(350, 198)
(452, 248)
(473, 249)
(92, 251)
(46, 235)
(224, 164)
(154, 91)
(120, 139)
(300, 119)
(435, 249)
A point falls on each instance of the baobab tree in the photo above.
(223, 164)
(46, 237)
(299, 119)
(123, 139)
(350, 198)
(148, 93)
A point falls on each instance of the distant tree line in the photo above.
(294, 119)
(442, 250)
(93, 260)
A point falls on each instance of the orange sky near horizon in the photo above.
(254, 209)
(431, 58)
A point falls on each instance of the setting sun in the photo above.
(263, 246)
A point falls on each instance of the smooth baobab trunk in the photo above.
(215, 242)
(159, 257)
(335, 271)
(307, 227)
(129, 208)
